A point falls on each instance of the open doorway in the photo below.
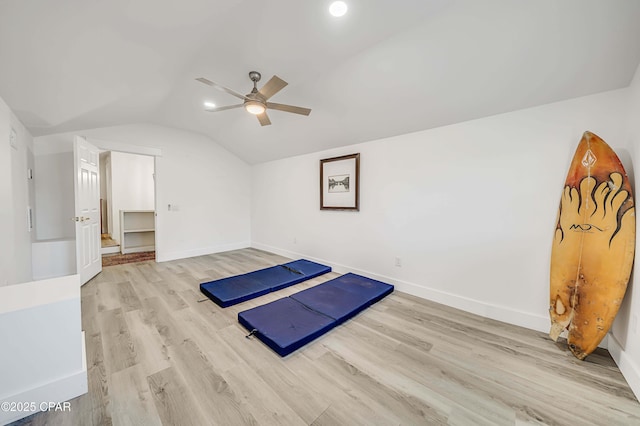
(127, 203)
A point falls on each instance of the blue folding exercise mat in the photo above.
(240, 288)
(291, 322)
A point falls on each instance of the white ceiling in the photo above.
(386, 68)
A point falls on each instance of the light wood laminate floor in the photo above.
(156, 355)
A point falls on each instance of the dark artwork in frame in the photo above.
(340, 183)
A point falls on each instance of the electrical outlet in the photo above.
(398, 262)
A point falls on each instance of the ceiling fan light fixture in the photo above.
(254, 107)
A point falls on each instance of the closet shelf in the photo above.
(137, 231)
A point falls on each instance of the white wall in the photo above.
(7, 263)
(42, 357)
(104, 158)
(106, 178)
(208, 186)
(468, 208)
(15, 198)
(53, 258)
(22, 160)
(625, 346)
(132, 186)
(54, 194)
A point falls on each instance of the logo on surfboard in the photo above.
(589, 159)
(586, 227)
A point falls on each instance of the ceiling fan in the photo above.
(256, 101)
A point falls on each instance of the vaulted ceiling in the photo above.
(386, 68)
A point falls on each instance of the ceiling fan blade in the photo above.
(224, 89)
(264, 119)
(272, 87)
(222, 108)
(289, 108)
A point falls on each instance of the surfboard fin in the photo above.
(556, 331)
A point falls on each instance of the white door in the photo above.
(87, 209)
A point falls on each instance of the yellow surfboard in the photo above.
(593, 246)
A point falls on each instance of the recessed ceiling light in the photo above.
(338, 8)
(208, 104)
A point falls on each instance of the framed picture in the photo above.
(340, 182)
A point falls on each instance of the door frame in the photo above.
(107, 145)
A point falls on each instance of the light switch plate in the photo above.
(29, 219)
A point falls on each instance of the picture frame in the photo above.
(340, 183)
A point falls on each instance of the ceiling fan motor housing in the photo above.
(255, 76)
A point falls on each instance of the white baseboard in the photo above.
(162, 256)
(629, 367)
(500, 313)
(60, 390)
